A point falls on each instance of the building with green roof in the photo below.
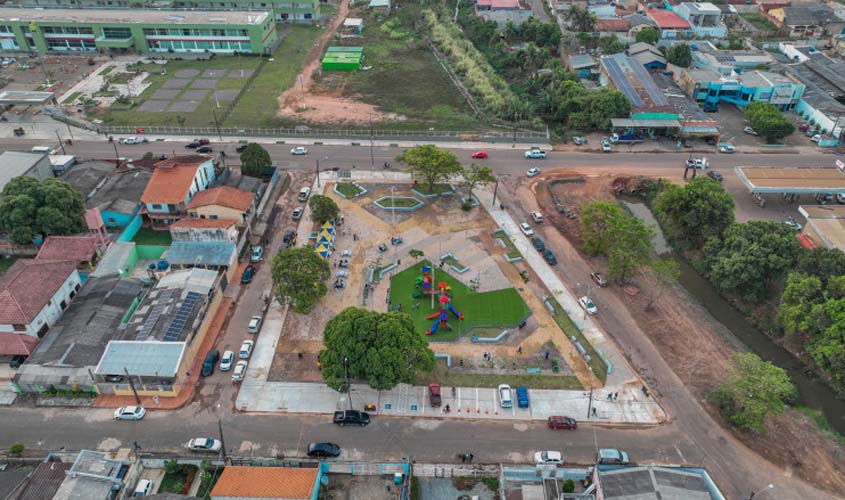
(343, 59)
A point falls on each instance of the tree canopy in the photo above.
(752, 391)
(580, 19)
(751, 257)
(29, 208)
(768, 121)
(382, 348)
(679, 55)
(610, 45)
(430, 163)
(648, 35)
(625, 240)
(299, 275)
(323, 208)
(253, 159)
(822, 262)
(477, 176)
(697, 211)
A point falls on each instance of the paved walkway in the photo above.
(187, 392)
(257, 394)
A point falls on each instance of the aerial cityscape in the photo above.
(373, 250)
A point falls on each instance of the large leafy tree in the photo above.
(625, 240)
(822, 262)
(299, 275)
(476, 176)
(581, 19)
(610, 45)
(607, 103)
(752, 391)
(254, 158)
(430, 163)
(533, 58)
(800, 295)
(768, 121)
(751, 257)
(665, 273)
(323, 208)
(698, 211)
(648, 35)
(679, 55)
(29, 208)
(385, 349)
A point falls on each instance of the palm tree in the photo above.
(581, 20)
(533, 58)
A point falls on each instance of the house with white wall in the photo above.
(173, 184)
(33, 295)
(705, 19)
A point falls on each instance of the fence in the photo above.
(503, 136)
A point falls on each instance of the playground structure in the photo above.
(425, 287)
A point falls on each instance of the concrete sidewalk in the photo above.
(621, 373)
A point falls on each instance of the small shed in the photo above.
(353, 25)
(343, 59)
(379, 4)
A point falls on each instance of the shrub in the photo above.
(569, 486)
(16, 449)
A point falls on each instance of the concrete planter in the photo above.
(361, 190)
(381, 203)
(433, 195)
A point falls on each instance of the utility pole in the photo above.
(590, 404)
(372, 154)
(217, 124)
(116, 155)
(222, 443)
(346, 376)
(61, 145)
(318, 173)
(132, 386)
(495, 192)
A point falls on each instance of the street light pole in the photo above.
(318, 173)
(760, 492)
(132, 386)
(372, 154)
(346, 376)
(495, 192)
(61, 145)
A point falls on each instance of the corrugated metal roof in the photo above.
(206, 253)
(142, 358)
(630, 122)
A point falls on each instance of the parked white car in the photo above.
(254, 324)
(246, 349)
(526, 229)
(204, 444)
(143, 488)
(749, 130)
(533, 172)
(505, 396)
(587, 304)
(537, 216)
(299, 150)
(130, 140)
(257, 254)
(240, 371)
(226, 361)
(548, 458)
(130, 413)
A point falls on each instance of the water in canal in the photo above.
(814, 393)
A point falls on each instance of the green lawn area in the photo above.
(394, 84)
(259, 104)
(759, 21)
(149, 236)
(398, 202)
(494, 309)
(349, 189)
(446, 378)
(6, 263)
(455, 262)
(174, 481)
(512, 252)
(568, 326)
(436, 189)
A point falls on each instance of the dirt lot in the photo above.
(697, 347)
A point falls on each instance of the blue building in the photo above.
(173, 183)
(584, 65)
(711, 88)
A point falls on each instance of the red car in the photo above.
(480, 155)
(559, 422)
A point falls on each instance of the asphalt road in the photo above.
(691, 437)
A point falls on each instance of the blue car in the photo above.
(249, 272)
(522, 396)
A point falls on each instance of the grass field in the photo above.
(259, 104)
(565, 323)
(405, 77)
(398, 202)
(512, 252)
(6, 263)
(498, 308)
(149, 236)
(349, 189)
(759, 22)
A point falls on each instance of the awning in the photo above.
(699, 131)
(644, 123)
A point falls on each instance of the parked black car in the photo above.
(538, 243)
(351, 417)
(241, 148)
(716, 176)
(323, 450)
(550, 257)
(205, 149)
(249, 272)
(210, 360)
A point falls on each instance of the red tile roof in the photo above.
(198, 223)
(94, 219)
(499, 4)
(265, 482)
(14, 344)
(76, 248)
(667, 20)
(224, 196)
(27, 287)
(613, 25)
(171, 180)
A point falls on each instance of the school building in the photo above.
(283, 10)
(135, 30)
